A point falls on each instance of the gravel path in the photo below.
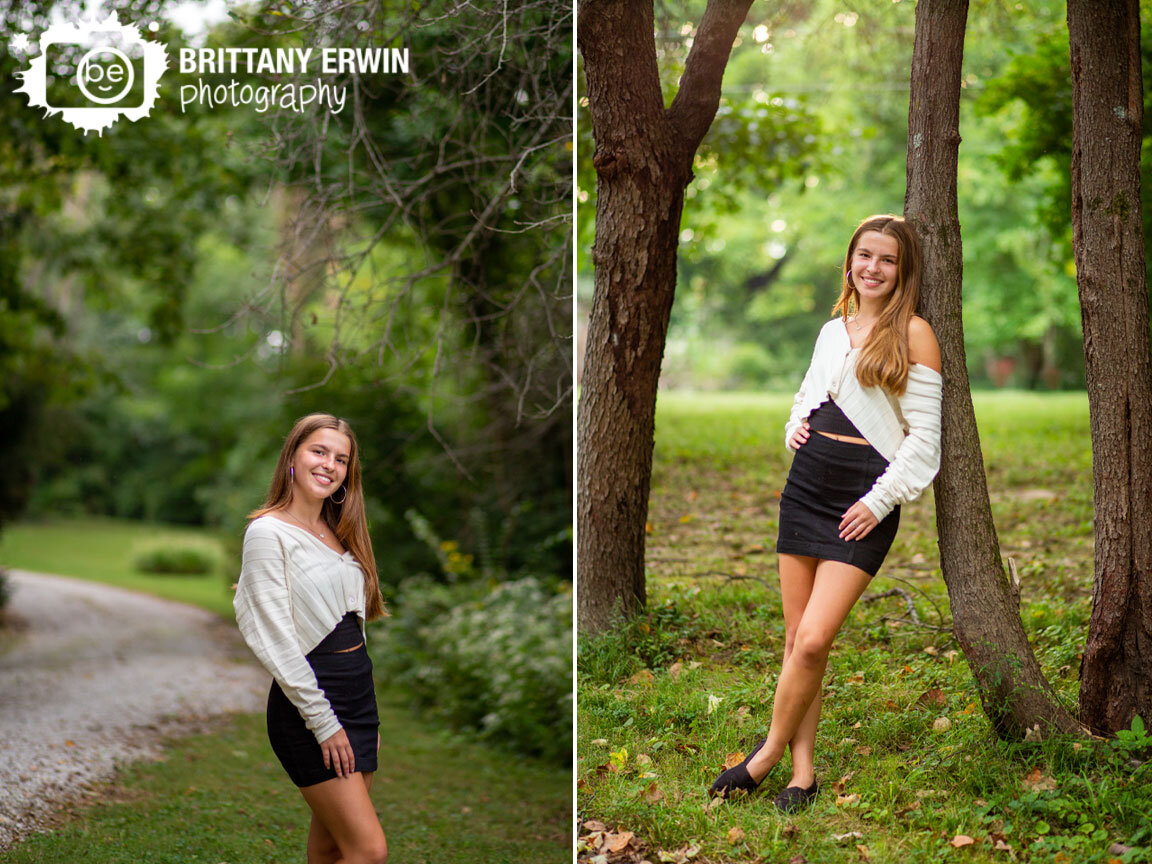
(92, 676)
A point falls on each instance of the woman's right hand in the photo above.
(800, 436)
(338, 755)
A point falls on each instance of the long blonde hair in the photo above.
(883, 362)
(347, 518)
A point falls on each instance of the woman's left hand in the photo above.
(857, 522)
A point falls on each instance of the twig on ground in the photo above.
(912, 614)
(736, 577)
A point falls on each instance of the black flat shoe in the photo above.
(736, 777)
(794, 799)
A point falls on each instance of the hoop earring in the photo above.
(332, 498)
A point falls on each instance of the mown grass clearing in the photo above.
(106, 550)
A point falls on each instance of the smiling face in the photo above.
(875, 265)
(320, 463)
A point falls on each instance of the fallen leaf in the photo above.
(864, 853)
(1037, 782)
(931, 650)
(715, 802)
(1061, 858)
(961, 840)
(1118, 849)
(857, 725)
(595, 825)
(600, 742)
(733, 759)
(644, 676)
(839, 785)
(714, 703)
(844, 838)
(643, 759)
(675, 669)
(1001, 846)
(736, 835)
(941, 724)
(797, 859)
(790, 830)
(915, 805)
(694, 664)
(616, 842)
(686, 518)
(858, 678)
(864, 751)
(652, 794)
(647, 527)
(845, 800)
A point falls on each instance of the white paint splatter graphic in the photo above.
(94, 119)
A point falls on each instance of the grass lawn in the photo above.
(664, 701)
(222, 798)
(105, 550)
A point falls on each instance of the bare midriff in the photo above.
(847, 439)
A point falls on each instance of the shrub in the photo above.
(498, 661)
(5, 588)
(187, 560)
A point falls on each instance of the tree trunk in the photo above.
(1108, 242)
(643, 163)
(985, 607)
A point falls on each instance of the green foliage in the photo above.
(5, 589)
(761, 250)
(496, 661)
(176, 559)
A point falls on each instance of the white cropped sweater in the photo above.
(293, 591)
(904, 429)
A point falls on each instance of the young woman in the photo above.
(307, 585)
(866, 430)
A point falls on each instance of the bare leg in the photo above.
(797, 574)
(835, 589)
(345, 828)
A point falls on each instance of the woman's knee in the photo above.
(811, 647)
(376, 853)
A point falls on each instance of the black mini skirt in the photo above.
(827, 477)
(346, 679)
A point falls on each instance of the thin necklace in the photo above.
(306, 528)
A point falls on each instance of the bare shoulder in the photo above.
(922, 345)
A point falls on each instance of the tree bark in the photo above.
(643, 162)
(1108, 243)
(985, 607)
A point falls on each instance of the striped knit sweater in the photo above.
(293, 591)
(904, 429)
